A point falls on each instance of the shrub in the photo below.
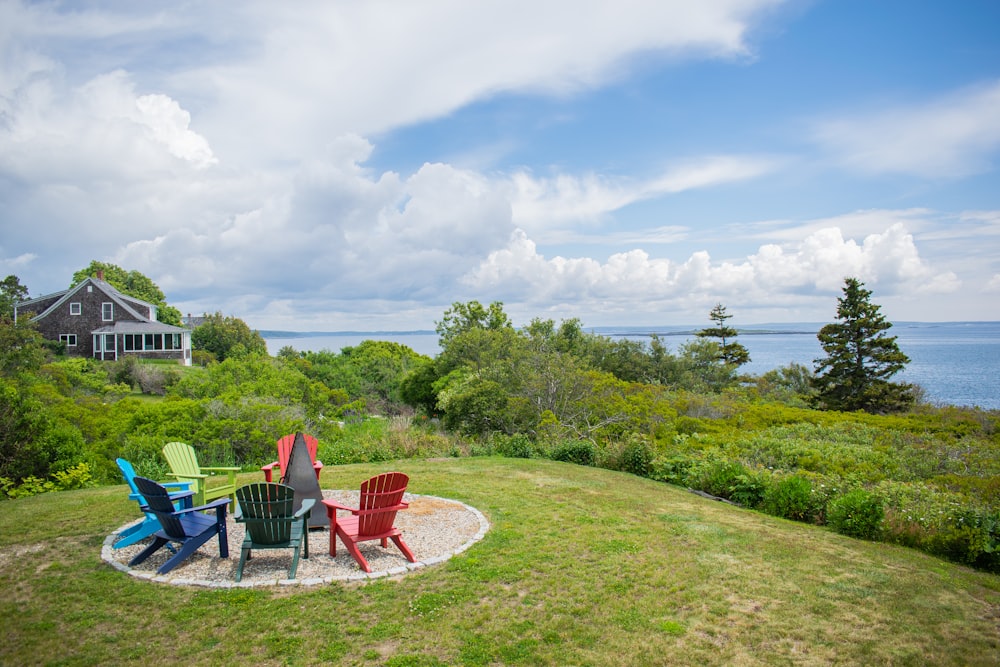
(77, 477)
(514, 446)
(748, 488)
(673, 469)
(637, 456)
(791, 498)
(716, 476)
(580, 452)
(858, 513)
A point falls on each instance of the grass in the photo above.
(581, 566)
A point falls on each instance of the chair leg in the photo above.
(220, 516)
(136, 533)
(352, 547)
(148, 551)
(244, 557)
(295, 563)
(405, 549)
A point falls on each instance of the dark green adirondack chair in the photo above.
(189, 527)
(267, 511)
(184, 466)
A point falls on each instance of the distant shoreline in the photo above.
(771, 329)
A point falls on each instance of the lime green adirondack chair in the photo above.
(184, 466)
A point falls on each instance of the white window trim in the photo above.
(69, 339)
(108, 307)
(75, 308)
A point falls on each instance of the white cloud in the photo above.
(948, 137)
(170, 126)
(816, 266)
(546, 202)
(372, 67)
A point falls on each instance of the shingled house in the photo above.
(95, 319)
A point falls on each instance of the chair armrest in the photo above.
(187, 475)
(317, 464)
(269, 466)
(334, 505)
(306, 509)
(178, 495)
(210, 506)
(223, 469)
(180, 486)
(377, 510)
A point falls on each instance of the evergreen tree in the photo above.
(731, 352)
(11, 292)
(860, 358)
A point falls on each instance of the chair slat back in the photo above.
(267, 510)
(181, 458)
(128, 472)
(160, 505)
(285, 449)
(385, 490)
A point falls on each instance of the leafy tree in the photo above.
(22, 348)
(462, 317)
(381, 365)
(134, 284)
(731, 352)
(11, 292)
(227, 337)
(860, 358)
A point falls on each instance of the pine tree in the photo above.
(860, 358)
(730, 353)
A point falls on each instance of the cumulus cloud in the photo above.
(816, 266)
(949, 137)
(98, 130)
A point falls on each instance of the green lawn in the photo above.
(581, 566)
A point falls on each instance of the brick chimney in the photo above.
(100, 274)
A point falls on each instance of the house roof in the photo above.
(140, 328)
(142, 324)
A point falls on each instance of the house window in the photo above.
(68, 339)
(75, 308)
(107, 311)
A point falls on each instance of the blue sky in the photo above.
(361, 166)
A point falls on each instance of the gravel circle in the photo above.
(434, 528)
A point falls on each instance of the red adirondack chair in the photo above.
(381, 498)
(284, 451)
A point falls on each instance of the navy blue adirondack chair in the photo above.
(188, 527)
(149, 525)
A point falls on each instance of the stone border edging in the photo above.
(107, 554)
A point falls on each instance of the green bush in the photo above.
(791, 498)
(581, 452)
(77, 477)
(637, 456)
(673, 469)
(514, 446)
(716, 476)
(858, 513)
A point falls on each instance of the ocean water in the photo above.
(956, 363)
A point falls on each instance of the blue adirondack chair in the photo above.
(188, 527)
(149, 525)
